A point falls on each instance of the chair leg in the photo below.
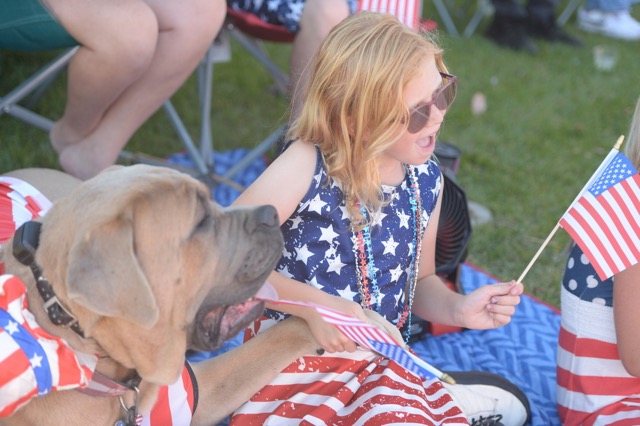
(9, 103)
(568, 11)
(483, 8)
(446, 18)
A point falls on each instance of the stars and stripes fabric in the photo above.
(347, 388)
(593, 386)
(605, 219)
(370, 337)
(360, 387)
(33, 362)
(288, 12)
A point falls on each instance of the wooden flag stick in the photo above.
(535, 257)
(597, 173)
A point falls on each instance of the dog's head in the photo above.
(152, 267)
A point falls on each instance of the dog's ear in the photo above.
(104, 274)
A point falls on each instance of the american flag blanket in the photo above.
(347, 389)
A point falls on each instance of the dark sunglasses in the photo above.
(442, 99)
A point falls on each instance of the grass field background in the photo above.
(550, 120)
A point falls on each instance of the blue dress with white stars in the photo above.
(359, 387)
(319, 247)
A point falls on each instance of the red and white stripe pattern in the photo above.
(19, 202)
(593, 386)
(33, 362)
(407, 11)
(347, 388)
(175, 404)
(368, 336)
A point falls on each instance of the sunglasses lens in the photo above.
(419, 118)
(446, 96)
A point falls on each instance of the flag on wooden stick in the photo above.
(370, 337)
(605, 218)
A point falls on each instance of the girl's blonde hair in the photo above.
(354, 105)
(632, 146)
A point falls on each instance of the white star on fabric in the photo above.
(296, 9)
(345, 213)
(328, 234)
(11, 327)
(396, 273)
(36, 361)
(390, 246)
(295, 222)
(316, 205)
(347, 293)
(331, 252)
(314, 282)
(377, 218)
(285, 271)
(303, 253)
(335, 265)
(404, 219)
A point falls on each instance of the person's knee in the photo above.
(196, 23)
(128, 46)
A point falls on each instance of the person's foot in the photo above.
(613, 24)
(489, 399)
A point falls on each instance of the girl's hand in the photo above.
(328, 336)
(491, 306)
(382, 323)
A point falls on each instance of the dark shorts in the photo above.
(25, 25)
(278, 12)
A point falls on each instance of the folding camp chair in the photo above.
(27, 26)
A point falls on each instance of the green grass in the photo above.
(551, 118)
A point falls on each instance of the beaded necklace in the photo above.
(365, 265)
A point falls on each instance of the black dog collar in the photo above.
(25, 244)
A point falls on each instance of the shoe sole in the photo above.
(490, 379)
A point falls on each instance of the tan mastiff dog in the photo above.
(150, 267)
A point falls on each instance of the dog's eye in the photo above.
(204, 222)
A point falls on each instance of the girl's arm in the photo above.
(489, 306)
(283, 185)
(626, 294)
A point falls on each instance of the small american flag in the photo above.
(368, 336)
(605, 219)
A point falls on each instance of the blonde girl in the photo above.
(357, 193)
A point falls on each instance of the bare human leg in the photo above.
(134, 55)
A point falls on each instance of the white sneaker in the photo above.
(488, 399)
(613, 24)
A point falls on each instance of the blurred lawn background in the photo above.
(550, 120)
